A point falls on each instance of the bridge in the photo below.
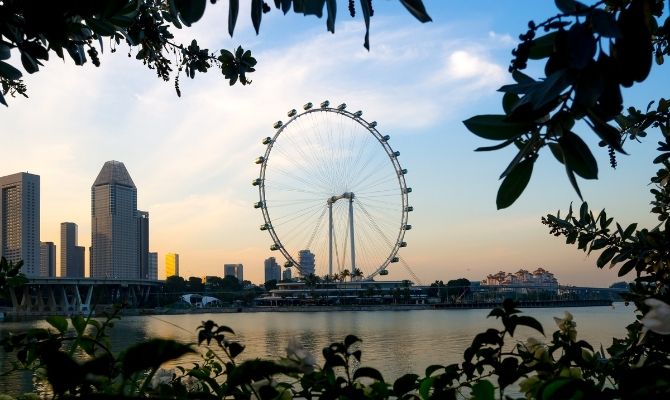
(67, 296)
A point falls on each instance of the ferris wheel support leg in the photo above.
(351, 232)
(330, 239)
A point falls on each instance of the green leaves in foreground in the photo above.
(514, 183)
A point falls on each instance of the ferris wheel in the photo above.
(332, 193)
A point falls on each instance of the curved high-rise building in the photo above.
(114, 226)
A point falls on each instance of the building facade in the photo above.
(114, 233)
(171, 265)
(307, 262)
(272, 270)
(143, 243)
(71, 255)
(20, 220)
(539, 277)
(153, 266)
(47, 259)
(236, 270)
(286, 274)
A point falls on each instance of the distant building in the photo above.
(143, 243)
(171, 265)
(236, 270)
(286, 274)
(71, 256)
(114, 233)
(307, 262)
(272, 270)
(153, 266)
(47, 259)
(539, 277)
(20, 220)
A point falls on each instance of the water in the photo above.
(395, 342)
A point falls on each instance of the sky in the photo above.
(192, 157)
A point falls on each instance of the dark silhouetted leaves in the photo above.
(151, 354)
(190, 11)
(416, 8)
(514, 183)
(233, 10)
(495, 127)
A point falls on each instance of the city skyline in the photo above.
(194, 170)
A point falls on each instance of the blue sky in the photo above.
(192, 157)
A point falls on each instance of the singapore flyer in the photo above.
(333, 194)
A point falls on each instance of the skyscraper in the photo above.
(171, 265)
(20, 220)
(286, 274)
(236, 270)
(272, 270)
(306, 260)
(143, 243)
(47, 259)
(114, 236)
(153, 266)
(71, 255)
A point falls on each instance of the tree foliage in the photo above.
(35, 30)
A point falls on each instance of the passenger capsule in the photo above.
(288, 264)
(358, 114)
(258, 204)
(408, 190)
(278, 125)
(342, 106)
(409, 208)
(265, 227)
(267, 140)
(307, 106)
(384, 272)
(386, 138)
(395, 259)
(396, 153)
(325, 104)
(274, 247)
(372, 124)
(403, 244)
(256, 182)
(292, 113)
(408, 227)
(260, 160)
(403, 171)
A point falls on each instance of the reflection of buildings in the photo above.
(71, 255)
(236, 270)
(153, 266)
(539, 277)
(171, 265)
(47, 259)
(306, 261)
(272, 270)
(20, 220)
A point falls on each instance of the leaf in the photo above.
(60, 323)
(349, 340)
(573, 182)
(235, 349)
(627, 267)
(629, 231)
(404, 384)
(496, 147)
(256, 14)
(416, 8)
(509, 102)
(604, 23)
(425, 386)
(190, 11)
(151, 354)
(5, 51)
(368, 372)
(609, 134)
(542, 47)
(569, 6)
(529, 322)
(606, 256)
(365, 7)
(495, 127)
(313, 7)
(233, 9)
(331, 7)
(483, 390)
(577, 156)
(9, 72)
(514, 183)
(2, 99)
(285, 5)
(79, 324)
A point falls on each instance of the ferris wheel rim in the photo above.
(390, 153)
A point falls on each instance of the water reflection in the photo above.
(395, 342)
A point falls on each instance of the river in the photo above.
(395, 342)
